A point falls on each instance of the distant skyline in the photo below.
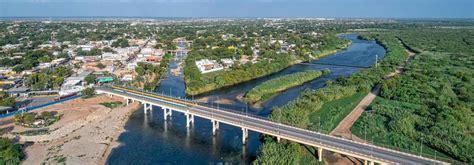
(239, 8)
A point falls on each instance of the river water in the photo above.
(149, 139)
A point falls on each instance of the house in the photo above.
(74, 84)
(44, 65)
(227, 62)
(206, 66)
(18, 91)
(131, 65)
(127, 77)
(58, 61)
(153, 59)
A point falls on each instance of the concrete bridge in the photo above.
(369, 153)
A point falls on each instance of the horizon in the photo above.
(418, 9)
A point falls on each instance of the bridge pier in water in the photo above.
(189, 119)
(215, 127)
(245, 135)
(166, 112)
(147, 107)
(302, 136)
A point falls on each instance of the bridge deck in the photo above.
(265, 126)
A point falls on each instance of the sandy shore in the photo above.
(86, 133)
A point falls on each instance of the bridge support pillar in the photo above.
(166, 112)
(189, 119)
(215, 126)
(278, 138)
(126, 101)
(320, 154)
(245, 135)
(366, 162)
(147, 107)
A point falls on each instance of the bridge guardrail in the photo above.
(391, 148)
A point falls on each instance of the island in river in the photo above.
(269, 88)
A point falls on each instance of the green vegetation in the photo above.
(262, 49)
(90, 79)
(289, 153)
(271, 87)
(5, 100)
(149, 75)
(112, 105)
(332, 112)
(312, 105)
(197, 83)
(10, 153)
(432, 102)
(89, 93)
(121, 42)
(44, 119)
(100, 65)
(48, 79)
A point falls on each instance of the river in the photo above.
(151, 140)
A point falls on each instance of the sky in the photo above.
(240, 8)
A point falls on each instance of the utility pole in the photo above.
(246, 108)
(319, 128)
(421, 146)
(365, 129)
(279, 121)
(376, 60)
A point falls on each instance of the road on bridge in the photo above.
(262, 125)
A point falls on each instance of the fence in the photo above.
(39, 106)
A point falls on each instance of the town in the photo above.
(327, 90)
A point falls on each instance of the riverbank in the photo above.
(85, 134)
(321, 110)
(196, 86)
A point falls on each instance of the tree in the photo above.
(107, 49)
(90, 79)
(120, 43)
(10, 153)
(100, 66)
(44, 59)
(89, 92)
(140, 70)
(7, 101)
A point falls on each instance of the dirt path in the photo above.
(343, 129)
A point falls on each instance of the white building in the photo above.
(74, 84)
(206, 66)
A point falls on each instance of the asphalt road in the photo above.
(265, 126)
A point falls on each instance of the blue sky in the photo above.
(240, 8)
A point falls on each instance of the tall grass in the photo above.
(274, 86)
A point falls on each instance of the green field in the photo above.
(271, 87)
(334, 111)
